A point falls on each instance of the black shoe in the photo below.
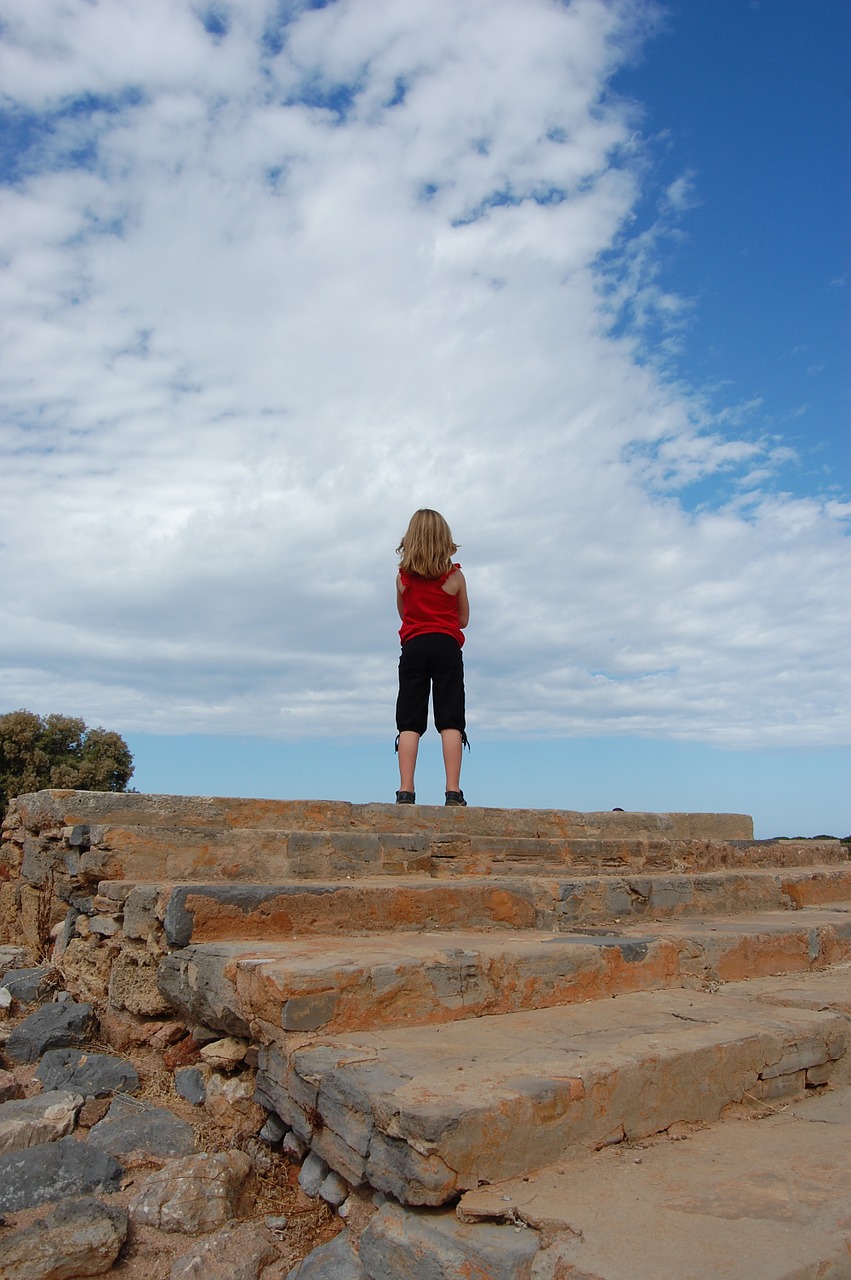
(456, 798)
(405, 797)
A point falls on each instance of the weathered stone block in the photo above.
(54, 1170)
(133, 983)
(401, 1244)
(27, 1122)
(78, 1238)
(54, 1026)
(333, 1261)
(198, 1193)
(138, 1127)
(92, 1074)
(238, 1252)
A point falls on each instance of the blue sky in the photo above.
(574, 274)
(752, 101)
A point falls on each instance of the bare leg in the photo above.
(409, 745)
(452, 747)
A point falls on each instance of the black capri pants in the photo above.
(431, 662)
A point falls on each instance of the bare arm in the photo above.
(456, 585)
(463, 603)
(400, 591)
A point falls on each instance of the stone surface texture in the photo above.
(55, 1170)
(53, 1026)
(192, 1195)
(26, 1122)
(131, 1126)
(94, 1075)
(81, 1237)
(237, 1252)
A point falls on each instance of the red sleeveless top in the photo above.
(428, 608)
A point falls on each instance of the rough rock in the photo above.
(48, 1117)
(190, 1083)
(53, 1026)
(27, 985)
(86, 963)
(231, 1101)
(52, 1171)
(237, 1252)
(198, 1193)
(333, 1261)
(312, 1174)
(400, 1244)
(226, 1054)
(95, 1075)
(273, 1130)
(334, 1189)
(293, 1145)
(138, 1127)
(78, 1238)
(133, 983)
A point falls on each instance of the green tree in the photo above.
(59, 751)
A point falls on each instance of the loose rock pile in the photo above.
(96, 1176)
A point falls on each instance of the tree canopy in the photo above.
(59, 751)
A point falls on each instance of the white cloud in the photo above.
(266, 292)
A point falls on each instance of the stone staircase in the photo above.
(445, 1000)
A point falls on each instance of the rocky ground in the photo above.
(105, 1167)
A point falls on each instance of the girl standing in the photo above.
(431, 596)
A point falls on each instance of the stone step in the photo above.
(269, 990)
(761, 1195)
(42, 809)
(216, 912)
(258, 855)
(428, 1113)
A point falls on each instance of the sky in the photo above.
(274, 274)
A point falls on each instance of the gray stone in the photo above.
(94, 1075)
(334, 1189)
(334, 1261)
(193, 982)
(273, 1130)
(11, 957)
(404, 1244)
(189, 1082)
(140, 911)
(198, 1193)
(53, 1026)
(67, 932)
(312, 1174)
(293, 1145)
(136, 1126)
(237, 1252)
(27, 985)
(309, 1012)
(26, 1122)
(78, 1238)
(104, 926)
(52, 1171)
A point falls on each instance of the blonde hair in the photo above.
(427, 546)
